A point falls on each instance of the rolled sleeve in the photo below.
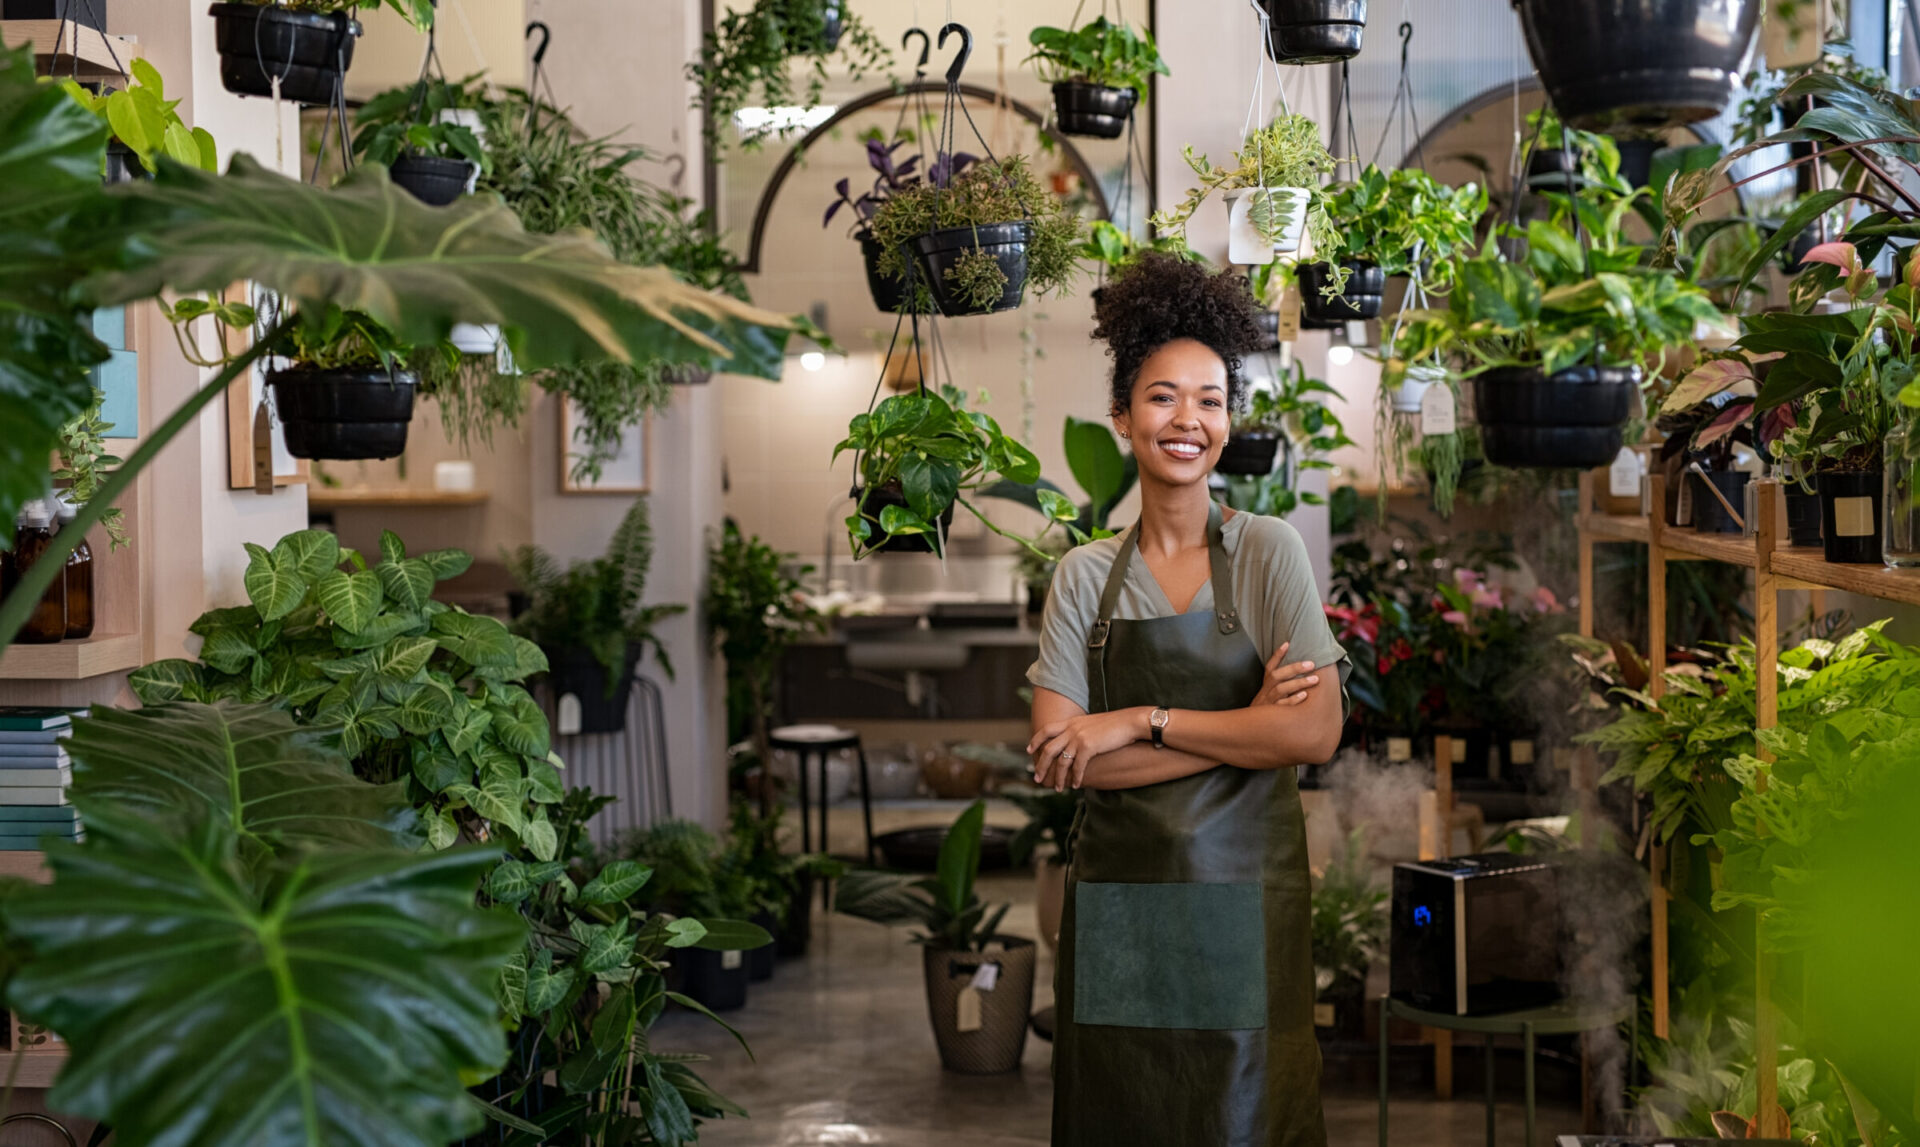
(1065, 625)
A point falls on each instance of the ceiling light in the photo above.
(813, 360)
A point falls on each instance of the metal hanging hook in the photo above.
(1406, 41)
(546, 38)
(966, 51)
(926, 49)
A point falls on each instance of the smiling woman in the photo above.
(1162, 689)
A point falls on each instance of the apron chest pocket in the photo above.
(1182, 956)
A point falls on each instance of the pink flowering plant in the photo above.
(1487, 645)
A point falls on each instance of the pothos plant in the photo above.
(1287, 153)
(1406, 222)
(1308, 430)
(929, 451)
(408, 119)
(1101, 52)
(144, 121)
(84, 463)
(755, 49)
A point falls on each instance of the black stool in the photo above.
(817, 741)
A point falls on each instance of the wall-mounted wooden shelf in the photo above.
(39, 1066)
(99, 56)
(73, 660)
(392, 499)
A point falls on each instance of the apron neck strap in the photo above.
(1225, 611)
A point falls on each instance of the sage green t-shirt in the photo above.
(1273, 589)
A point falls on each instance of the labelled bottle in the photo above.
(34, 537)
(79, 579)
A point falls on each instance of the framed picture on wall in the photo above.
(244, 398)
(624, 473)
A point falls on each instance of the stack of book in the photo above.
(34, 776)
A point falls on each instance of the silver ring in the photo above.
(1066, 756)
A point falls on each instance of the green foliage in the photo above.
(1287, 153)
(987, 192)
(1104, 472)
(242, 893)
(1110, 55)
(1349, 921)
(949, 913)
(384, 143)
(1405, 221)
(1115, 248)
(83, 464)
(933, 450)
(755, 613)
(754, 49)
(407, 119)
(595, 604)
(1308, 430)
(143, 119)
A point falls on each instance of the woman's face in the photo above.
(1177, 417)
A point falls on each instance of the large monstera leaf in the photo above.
(342, 996)
(366, 245)
(273, 783)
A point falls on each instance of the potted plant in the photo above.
(145, 126)
(958, 939)
(1267, 287)
(756, 612)
(1099, 73)
(1349, 922)
(918, 456)
(344, 393)
(305, 47)
(1641, 67)
(692, 879)
(1273, 191)
(979, 239)
(591, 621)
(1050, 817)
(754, 48)
(416, 133)
(1402, 223)
(890, 178)
(1288, 430)
(1314, 31)
(1706, 436)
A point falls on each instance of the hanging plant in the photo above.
(755, 49)
(1314, 31)
(1099, 73)
(418, 134)
(145, 126)
(891, 177)
(1277, 172)
(981, 239)
(307, 46)
(1639, 65)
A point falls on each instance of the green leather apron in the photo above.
(1184, 985)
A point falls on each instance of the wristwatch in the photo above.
(1157, 721)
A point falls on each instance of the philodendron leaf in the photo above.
(249, 767)
(617, 881)
(351, 600)
(274, 584)
(366, 245)
(408, 581)
(353, 989)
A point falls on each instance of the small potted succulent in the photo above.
(1402, 223)
(1099, 73)
(890, 178)
(145, 126)
(979, 240)
(306, 46)
(416, 133)
(1273, 191)
(754, 48)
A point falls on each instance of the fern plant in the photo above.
(595, 604)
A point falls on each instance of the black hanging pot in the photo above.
(310, 52)
(1549, 168)
(434, 180)
(1568, 419)
(1803, 517)
(1366, 285)
(343, 415)
(878, 541)
(717, 980)
(1611, 64)
(1269, 323)
(574, 671)
(123, 166)
(1249, 453)
(1851, 515)
(1093, 110)
(1709, 516)
(889, 294)
(939, 251)
(1314, 31)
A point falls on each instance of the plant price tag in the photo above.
(1323, 1015)
(1290, 314)
(1399, 749)
(985, 977)
(967, 1016)
(1623, 477)
(1436, 412)
(730, 961)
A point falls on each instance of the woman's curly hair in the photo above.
(1163, 297)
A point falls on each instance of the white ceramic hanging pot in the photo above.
(1245, 245)
(475, 338)
(1413, 387)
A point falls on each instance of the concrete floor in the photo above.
(844, 1054)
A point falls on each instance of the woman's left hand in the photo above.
(1062, 750)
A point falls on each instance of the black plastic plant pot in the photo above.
(1568, 419)
(1709, 516)
(717, 980)
(1548, 169)
(791, 940)
(1314, 31)
(760, 960)
(308, 51)
(889, 294)
(1269, 328)
(1472, 761)
(1093, 110)
(1803, 517)
(123, 166)
(1366, 286)
(1639, 64)
(575, 670)
(432, 179)
(1636, 157)
(1249, 453)
(939, 251)
(878, 541)
(1850, 516)
(343, 415)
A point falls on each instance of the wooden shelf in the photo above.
(1616, 527)
(97, 52)
(318, 499)
(73, 660)
(1809, 570)
(39, 1066)
(1733, 549)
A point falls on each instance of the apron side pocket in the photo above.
(1180, 956)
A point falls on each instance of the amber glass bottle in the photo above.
(79, 579)
(48, 621)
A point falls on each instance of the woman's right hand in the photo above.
(1286, 684)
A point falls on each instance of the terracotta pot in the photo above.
(954, 778)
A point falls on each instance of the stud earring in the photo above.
(1128, 437)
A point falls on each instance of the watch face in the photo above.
(1159, 718)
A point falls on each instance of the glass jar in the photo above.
(31, 540)
(79, 579)
(1901, 539)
